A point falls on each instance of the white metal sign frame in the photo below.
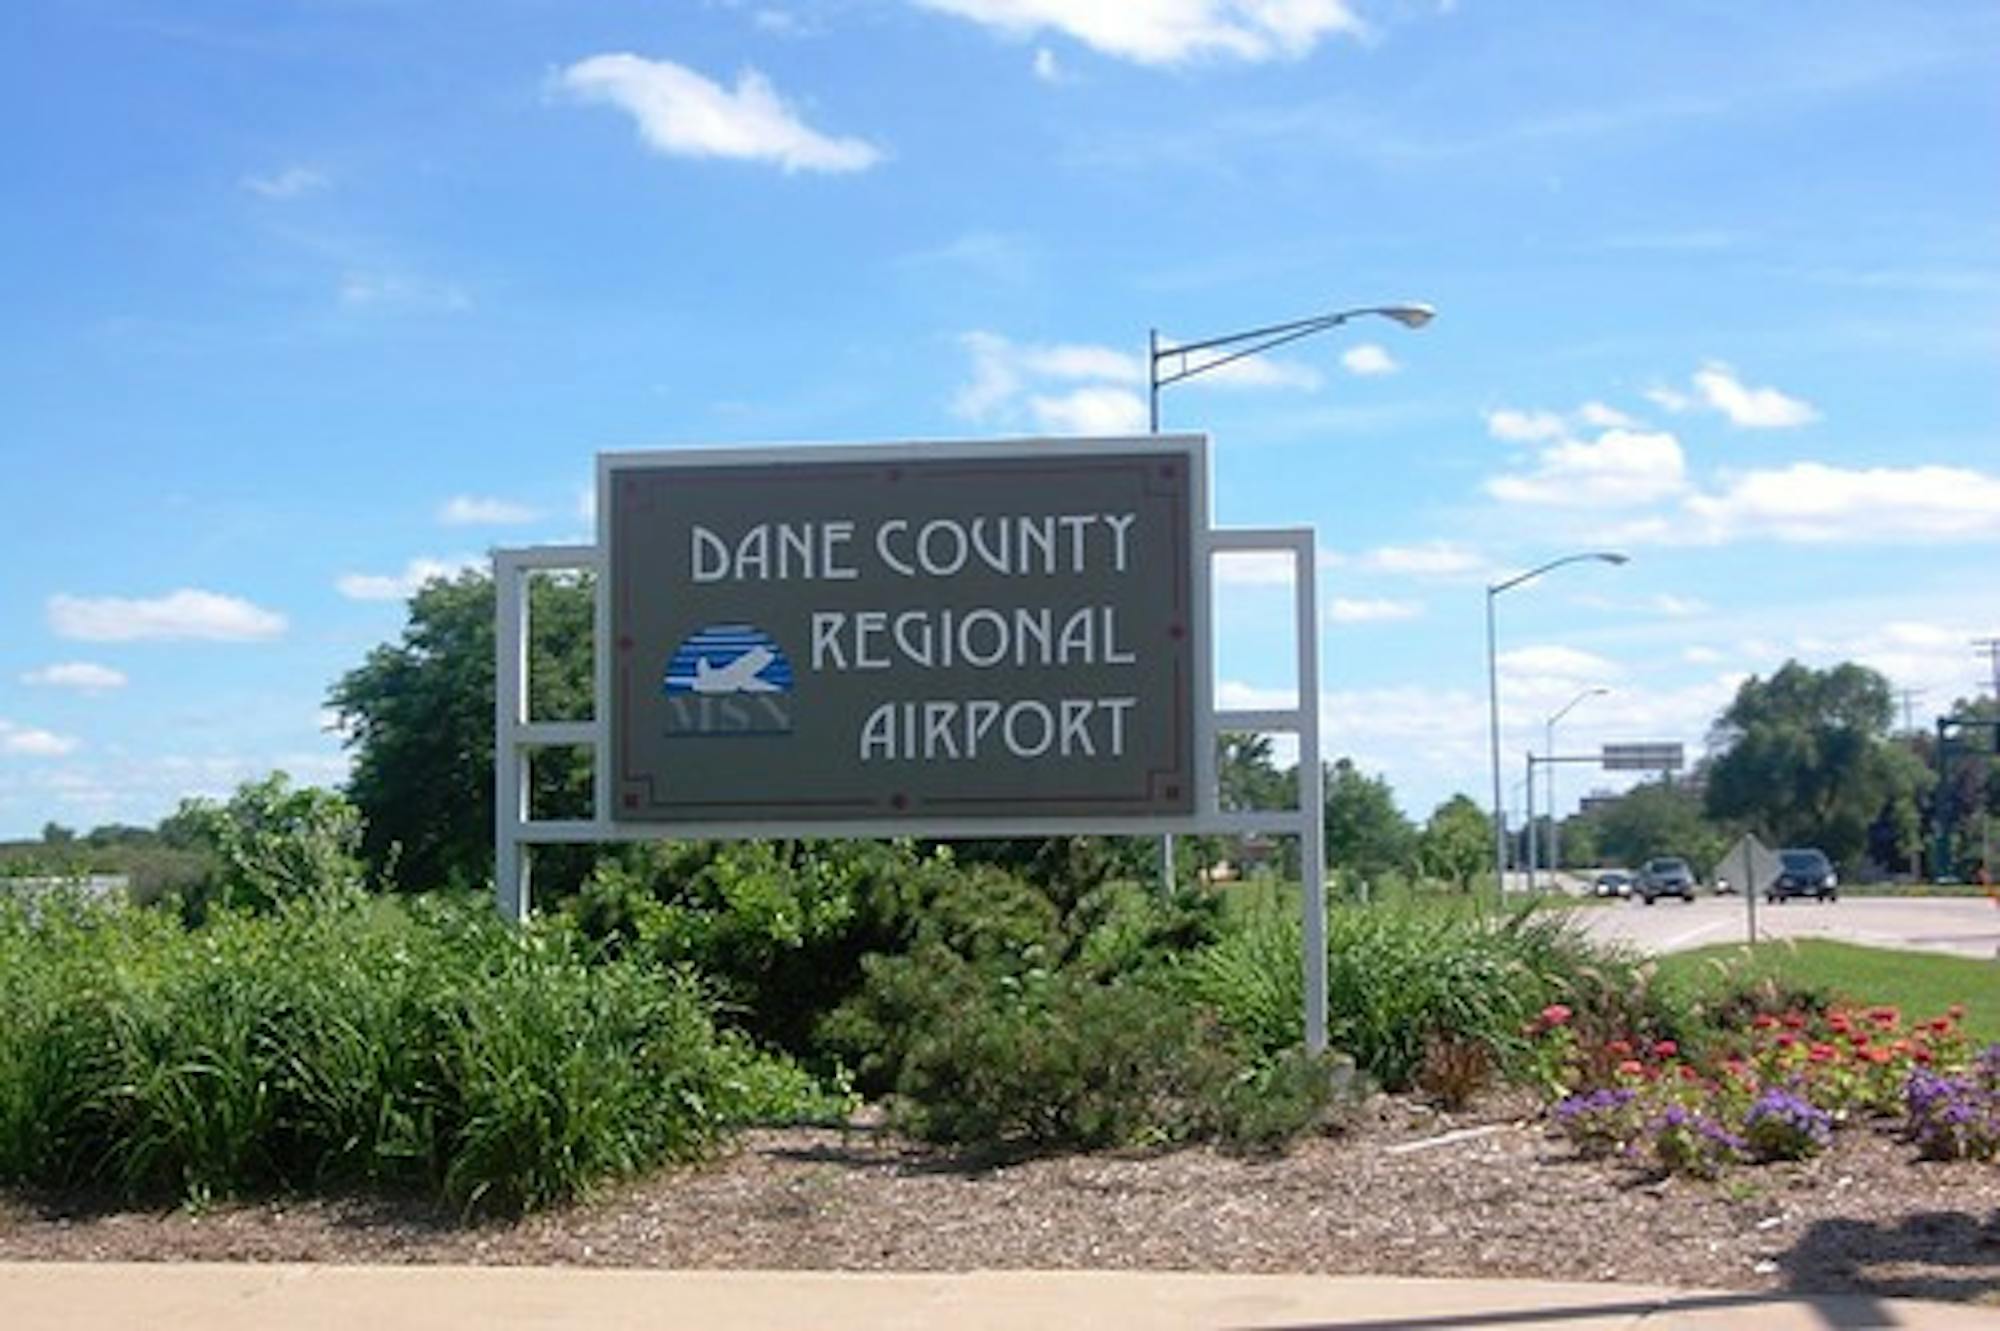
(517, 734)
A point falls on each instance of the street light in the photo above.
(1493, 590)
(1250, 342)
(1255, 341)
(1549, 750)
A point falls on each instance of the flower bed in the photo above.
(1778, 1089)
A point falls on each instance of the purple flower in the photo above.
(1782, 1126)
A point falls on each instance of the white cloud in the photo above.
(1046, 68)
(1090, 411)
(1701, 656)
(1668, 399)
(187, 613)
(83, 676)
(1524, 427)
(1254, 568)
(1166, 32)
(1813, 502)
(1343, 610)
(1435, 559)
(1678, 607)
(484, 511)
(24, 742)
(1599, 416)
(1751, 408)
(683, 114)
(401, 586)
(1622, 467)
(1552, 662)
(1368, 359)
(289, 183)
(1083, 361)
(360, 290)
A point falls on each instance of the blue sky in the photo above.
(306, 299)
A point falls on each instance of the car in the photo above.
(1666, 876)
(1612, 883)
(1803, 871)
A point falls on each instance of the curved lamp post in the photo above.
(1549, 750)
(1234, 347)
(1493, 590)
(1256, 341)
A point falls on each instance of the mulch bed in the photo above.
(1488, 1193)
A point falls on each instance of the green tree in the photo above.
(1804, 758)
(418, 715)
(1456, 844)
(274, 842)
(1659, 818)
(1366, 833)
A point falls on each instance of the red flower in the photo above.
(1860, 1039)
(1555, 1014)
(1763, 1021)
(1688, 1073)
(1876, 1055)
(1941, 1025)
(1823, 1053)
(1922, 1055)
(1631, 1067)
(1665, 1049)
(1787, 1040)
(1795, 1020)
(1619, 1048)
(1956, 1012)
(1901, 1046)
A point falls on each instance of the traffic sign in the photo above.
(1751, 866)
(1651, 757)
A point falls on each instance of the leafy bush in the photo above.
(1957, 1117)
(1019, 1019)
(1401, 976)
(1782, 1126)
(355, 1040)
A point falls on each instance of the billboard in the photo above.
(1656, 757)
(920, 632)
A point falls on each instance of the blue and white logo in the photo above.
(729, 658)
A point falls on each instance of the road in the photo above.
(1965, 926)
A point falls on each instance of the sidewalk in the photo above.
(194, 1297)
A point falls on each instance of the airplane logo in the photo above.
(743, 675)
(728, 660)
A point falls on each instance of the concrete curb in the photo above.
(206, 1297)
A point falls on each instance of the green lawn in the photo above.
(1922, 984)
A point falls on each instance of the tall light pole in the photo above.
(1212, 353)
(1493, 591)
(1549, 750)
(1253, 342)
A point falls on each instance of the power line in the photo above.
(1990, 649)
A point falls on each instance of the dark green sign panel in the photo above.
(923, 633)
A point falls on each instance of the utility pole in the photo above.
(1990, 649)
(1907, 697)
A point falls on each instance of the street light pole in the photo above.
(1549, 751)
(1493, 591)
(1234, 347)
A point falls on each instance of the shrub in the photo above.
(1957, 1117)
(1602, 1122)
(1688, 1141)
(1400, 976)
(356, 1040)
(1781, 1126)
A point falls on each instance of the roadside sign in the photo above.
(1750, 866)
(816, 636)
(1651, 757)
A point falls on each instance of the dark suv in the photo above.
(1804, 873)
(1666, 877)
